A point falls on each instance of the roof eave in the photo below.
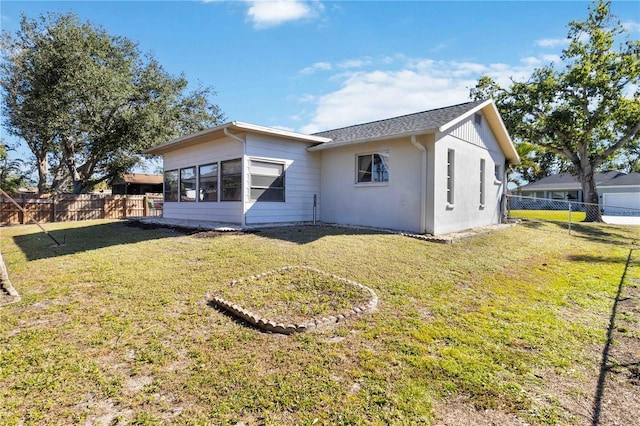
(323, 147)
(198, 137)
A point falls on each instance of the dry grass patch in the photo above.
(115, 327)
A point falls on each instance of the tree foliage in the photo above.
(586, 109)
(87, 103)
(12, 175)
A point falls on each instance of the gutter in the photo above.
(423, 184)
(244, 183)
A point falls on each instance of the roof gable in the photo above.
(431, 121)
(420, 122)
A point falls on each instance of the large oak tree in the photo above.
(585, 109)
(87, 103)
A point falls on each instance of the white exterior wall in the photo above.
(470, 143)
(205, 153)
(302, 180)
(394, 204)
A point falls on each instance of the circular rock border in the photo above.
(267, 324)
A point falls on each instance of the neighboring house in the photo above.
(433, 172)
(615, 188)
(137, 184)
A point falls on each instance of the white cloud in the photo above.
(418, 85)
(631, 26)
(355, 63)
(306, 98)
(318, 66)
(553, 42)
(271, 13)
(288, 129)
(346, 64)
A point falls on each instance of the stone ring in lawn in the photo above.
(337, 292)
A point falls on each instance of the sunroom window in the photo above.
(231, 180)
(208, 182)
(188, 184)
(171, 185)
(267, 181)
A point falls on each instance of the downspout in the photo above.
(244, 184)
(423, 184)
(505, 192)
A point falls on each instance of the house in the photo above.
(436, 171)
(137, 184)
(619, 192)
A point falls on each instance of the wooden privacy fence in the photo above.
(70, 207)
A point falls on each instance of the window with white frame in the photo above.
(267, 181)
(482, 180)
(372, 167)
(208, 182)
(231, 180)
(171, 185)
(188, 184)
(450, 176)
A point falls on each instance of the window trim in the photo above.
(359, 183)
(451, 177)
(497, 169)
(482, 182)
(282, 176)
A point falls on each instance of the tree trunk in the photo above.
(43, 171)
(590, 194)
(69, 153)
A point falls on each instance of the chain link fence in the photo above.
(569, 212)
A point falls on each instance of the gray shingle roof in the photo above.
(412, 123)
(567, 182)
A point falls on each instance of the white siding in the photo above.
(470, 143)
(302, 180)
(394, 205)
(205, 153)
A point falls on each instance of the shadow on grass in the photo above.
(595, 259)
(235, 318)
(309, 233)
(595, 232)
(606, 364)
(76, 239)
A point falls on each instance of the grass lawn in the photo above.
(115, 327)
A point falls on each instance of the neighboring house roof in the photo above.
(230, 129)
(431, 121)
(568, 182)
(139, 178)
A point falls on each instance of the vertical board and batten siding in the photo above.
(302, 180)
(205, 153)
(392, 205)
(471, 143)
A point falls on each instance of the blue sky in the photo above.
(315, 65)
